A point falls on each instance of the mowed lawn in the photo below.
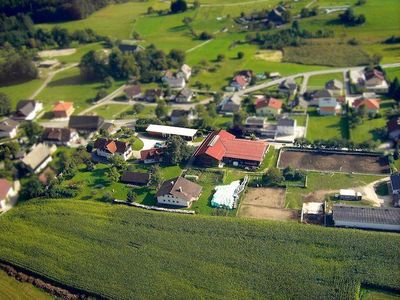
(11, 289)
(69, 86)
(318, 81)
(120, 252)
(110, 111)
(367, 131)
(21, 91)
(326, 127)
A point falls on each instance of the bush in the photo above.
(205, 36)
(178, 6)
(131, 196)
(240, 55)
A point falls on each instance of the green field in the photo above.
(318, 81)
(11, 289)
(109, 111)
(119, 252)
(68, 86)
(326, 127)
(367, 130)
(393, 72)
(326, 182)
(21, 91)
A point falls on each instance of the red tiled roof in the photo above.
(368, 103)
(5, 186)
(220, 144)
(151, 153)
(240, 80)
(63, 106)
(271, 102)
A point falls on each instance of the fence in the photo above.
(156, 208)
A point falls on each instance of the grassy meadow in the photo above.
(21, 91)
(318, 81)
(96, 247)
(326, 127)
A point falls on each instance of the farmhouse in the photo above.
(180, 115)
(27, 110)
(223, 147)
(286, 126)
(133, 92)
(108, 148)
(268, 107)
(335, 87)
(178, 192)
(38, 158)
(184, 96)
(174, 82)
(167, 131)
(255, 124)
(328, 107)
(185, 72)
(230, 105)
(375, 82)
(366, 217)
(8, 128)
(63, 109)
(152, 95)
(59, 136)
(86, 124)
(371, 106)
(153, 155)
(135, 178)
(6, 191)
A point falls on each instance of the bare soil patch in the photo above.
(334, 162)
(55, 53)
(269, 55)
(266, 203)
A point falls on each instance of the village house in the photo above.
(222, 147)
(286, 126)
(63, 109)
(371, 106)
(59, 136)
(167, 131)
(270, 107)
(277, 15)
(179, 115)
(135, 178)
(172, 81)
(153, 155)
(8, 128)
(185, 72)
(230, 105)
(86, 124)
(109, 148)
(133, 92)
(335, 87)
(395, 188)
(288, 86)
(27, 110)
(393, 128)
(239, 82)
(184, 96)
(6, 192)
(178, 192)
(254, 124)
(329, 107)
(365, 217)
(152, 95)
(38, 158)
(375, 82)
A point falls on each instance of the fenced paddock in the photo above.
(334, 161)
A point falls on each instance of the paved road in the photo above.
(49, 78)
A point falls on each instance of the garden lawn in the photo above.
(318, 81)
(367, 131)
(11, 289)
(147, 112)
(326, 127)
(95, 246)
(69, 86)
(109, 111)
(393, 72)
(325, 181)
(270, 158)
(21, 91)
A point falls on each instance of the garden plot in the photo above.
(266, 203)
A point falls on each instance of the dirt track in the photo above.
(334, 162)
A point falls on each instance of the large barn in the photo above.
(223, 147)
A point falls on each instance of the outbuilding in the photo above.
(167, 131)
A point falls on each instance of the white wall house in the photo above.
(178, 192)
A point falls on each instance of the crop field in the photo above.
(333, 162)
(266, 203)
(11, 289)
(106, 249)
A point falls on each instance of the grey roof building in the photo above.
(334, 84)
(366, 217)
